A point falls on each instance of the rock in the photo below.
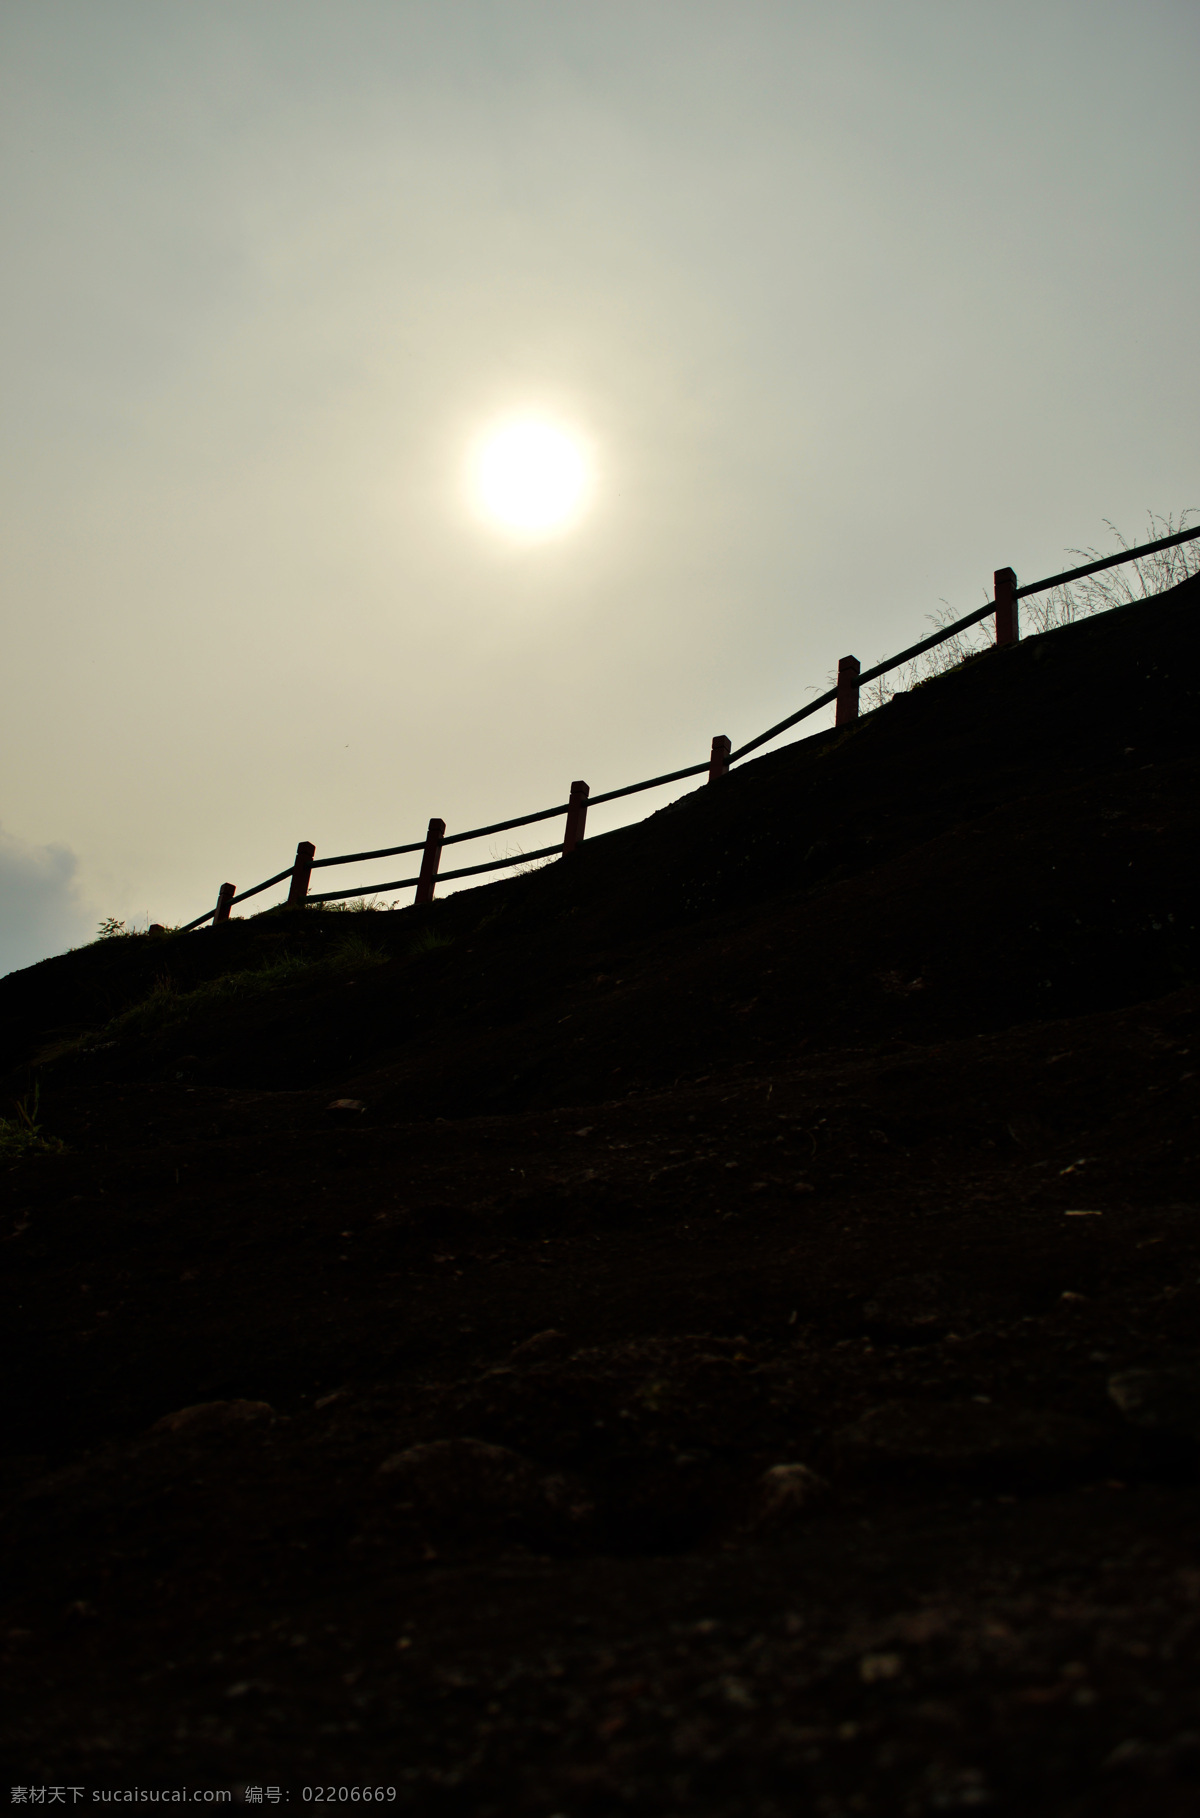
(543, 1344)
(208, 1416)
(782, 1496)
(475, 1489)
(346, 1107)
(1165, 1401)
(970, 1440)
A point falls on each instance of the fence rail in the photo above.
(844, 697)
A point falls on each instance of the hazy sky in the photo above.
(852, 302)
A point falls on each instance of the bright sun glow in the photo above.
(531, 477)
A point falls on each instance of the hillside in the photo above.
(737, 1353)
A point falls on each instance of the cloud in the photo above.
(40, 910)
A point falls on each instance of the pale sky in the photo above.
(848, 303)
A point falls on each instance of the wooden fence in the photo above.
(844, 697)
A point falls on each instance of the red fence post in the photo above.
(847, 691)
(576, 817)
(431, 858)
(301, 872)
(718, 763)
(1008, 629)
(225, 896)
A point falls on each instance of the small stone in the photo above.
(346, 1107)
(1165, 1401)
(542, 1344)
(206, 1416)
(1126, 1753)
(782, 1496)
(969, 1439)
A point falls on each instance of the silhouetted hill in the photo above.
(736, 1353)
(994, 833)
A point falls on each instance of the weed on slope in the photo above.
(167, 1004)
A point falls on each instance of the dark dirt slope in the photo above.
(742, 1359)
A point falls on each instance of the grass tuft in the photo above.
(1138, 580)
(356, 905)
(166, 1004)
(22, 1135)
(430, 941)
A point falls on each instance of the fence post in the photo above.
(301, 872)
(431, 858)
(847, 691)
(577, 809)
(225, 896)
(1008, 628)
(718, 763)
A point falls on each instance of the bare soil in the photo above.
(738, 1351)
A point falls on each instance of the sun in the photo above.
(530, 477)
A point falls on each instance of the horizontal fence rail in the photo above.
(844, 698)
